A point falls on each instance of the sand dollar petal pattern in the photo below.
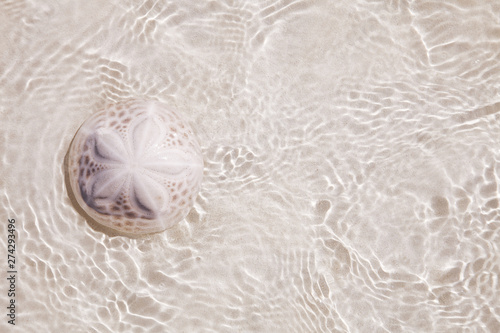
(135, 167)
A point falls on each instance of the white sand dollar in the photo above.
(135, 167)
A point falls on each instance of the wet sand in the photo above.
(351, 153)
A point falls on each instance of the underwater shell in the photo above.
(135, 167)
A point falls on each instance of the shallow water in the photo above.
(351, 176)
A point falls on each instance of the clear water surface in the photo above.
(352, 165)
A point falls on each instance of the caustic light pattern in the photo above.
(135, 167)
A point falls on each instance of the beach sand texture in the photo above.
(351, 165)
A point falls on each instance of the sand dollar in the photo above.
(135, 167)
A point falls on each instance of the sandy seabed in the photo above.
(352, 165)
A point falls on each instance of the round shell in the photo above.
(135, 167)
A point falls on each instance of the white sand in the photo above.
(351, 151)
